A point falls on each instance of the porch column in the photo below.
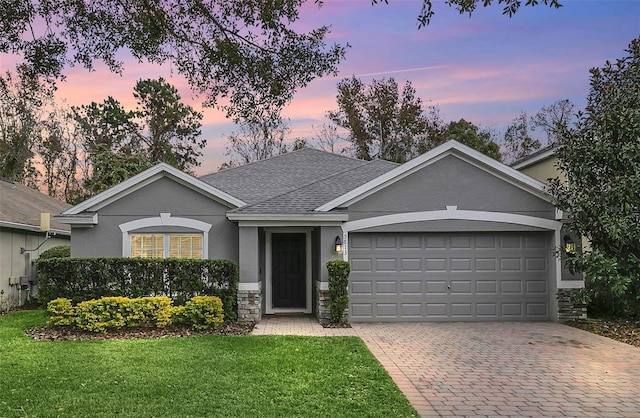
(250, 286)
(328, 236)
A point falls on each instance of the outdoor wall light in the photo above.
(338, 245)
(569, 245)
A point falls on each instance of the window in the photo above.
(185, 246)
(166, 245)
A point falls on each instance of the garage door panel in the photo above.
(436, 310)
(386, 264)
(510, 264)
(411, 241)
(537, 286)
(436, 287)
(385, 241)
(386, 287)
(487, 310)
(460, 287)
(361, 264)
(435, 264)
(460, 241)
(460, 264)
(461, 310)
(537, 310)
(486, 264)
(410, 264)
(536, 264)
(361, 288)
(438, 276)
(410, 287)
(511, 286)
(486, 287)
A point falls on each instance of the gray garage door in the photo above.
(449, 277)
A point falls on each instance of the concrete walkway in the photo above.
(496, 369)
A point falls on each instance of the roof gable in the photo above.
(149, 176)
(454, 148)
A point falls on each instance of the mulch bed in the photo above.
(46, 333)
(623, 330)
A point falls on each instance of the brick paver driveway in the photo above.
(508, 369)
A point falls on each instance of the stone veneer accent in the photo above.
(322, 306)
(323, 313)
(568, 307)
(249, 305)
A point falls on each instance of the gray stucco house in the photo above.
(452, 235)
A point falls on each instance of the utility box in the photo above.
(24, 281)
(14, 281)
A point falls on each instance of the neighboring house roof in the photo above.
(463, 152)
(540, 155)
(265, 179)
(20, 208)
(138, 181)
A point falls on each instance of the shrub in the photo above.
(119, 312)
(203, 312)
(60, 312)
(152, 311)
(338, 289)
(98, 315)
(81, 279)
(59, 251)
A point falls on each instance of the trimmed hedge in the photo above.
(56, 252)
(81, 279)
(338, 289)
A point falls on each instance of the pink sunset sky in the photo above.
(486, 68)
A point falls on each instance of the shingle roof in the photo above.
(307, 198)
(21, 205)
(263, 180)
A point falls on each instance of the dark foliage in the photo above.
(81, 279)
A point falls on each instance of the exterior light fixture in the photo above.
(338, 243)
(569, 245)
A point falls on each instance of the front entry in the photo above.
(288, 270)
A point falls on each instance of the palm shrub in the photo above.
(338, 289)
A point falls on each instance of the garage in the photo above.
(480, 276)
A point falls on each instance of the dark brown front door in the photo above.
(288, 270)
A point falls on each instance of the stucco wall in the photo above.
(162, 196)
(13, 264)
(451, 182)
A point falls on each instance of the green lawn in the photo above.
(252, 376)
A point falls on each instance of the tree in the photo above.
(510, 8)
(256, 140)
(601, 159)
(518, 141)
(383, 122)
(244, 51)
(120, 143)
(473, 136)
(21, 100)
(326, 137)
(554, 120)
(38, 143)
